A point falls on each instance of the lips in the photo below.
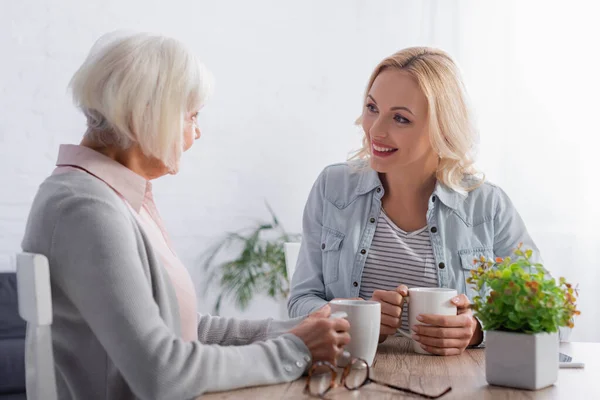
(381, 150)
(384, 149)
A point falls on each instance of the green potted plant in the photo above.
(258, 265)
(521, 308)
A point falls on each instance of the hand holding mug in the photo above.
(442, 322)
(364, 318)
(391, 309)
(325, 337)
(448, 334)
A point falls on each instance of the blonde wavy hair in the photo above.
(451, 133)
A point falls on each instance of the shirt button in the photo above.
(323, 246)
(372, 220)
(363, 251)
(378, 190)
(434, 229)
(433, 199)
(442, 265)
(299, 364)
(355, 284)
(288, 368)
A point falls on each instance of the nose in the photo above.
(378, 128)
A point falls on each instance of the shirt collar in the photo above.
(449, 197)
(369, 180)
(131, 186)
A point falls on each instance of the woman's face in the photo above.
(191, 130)
(395, 121)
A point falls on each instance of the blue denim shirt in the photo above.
(339, 223)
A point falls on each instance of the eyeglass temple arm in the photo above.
(412, 391)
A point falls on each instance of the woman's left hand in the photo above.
(449, 334)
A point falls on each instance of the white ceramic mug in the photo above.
(427, 301)
(364, 317)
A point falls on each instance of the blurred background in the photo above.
(289, 82)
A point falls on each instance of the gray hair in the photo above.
(137, 88)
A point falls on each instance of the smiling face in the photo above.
(395, 121)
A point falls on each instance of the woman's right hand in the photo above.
(391, 309)
(324, 337)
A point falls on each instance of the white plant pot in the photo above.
(521, 360)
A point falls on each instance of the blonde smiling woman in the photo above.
(410, 210)
(125, 321)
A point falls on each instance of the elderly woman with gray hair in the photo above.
(125, 320)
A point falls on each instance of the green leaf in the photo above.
(258, 263)
(521, 296)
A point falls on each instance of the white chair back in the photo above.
(35, 307)
(292, 250)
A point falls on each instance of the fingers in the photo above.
(323, 312)
(325, 338)
(340, 324)
(441, 342)
(448, 351)
(465, 310)
(328, 341)
(343, 339)
(392, 311)
(403, 290)
(438, 332)
(389, 325)
(448, 336)
(338, 342)
(390, 321)
(390, 297)
(329, 353)
(461, 301)
(446, 321)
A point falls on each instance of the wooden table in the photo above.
(395, 363)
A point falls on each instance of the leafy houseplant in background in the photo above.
(521, 307)
(259, 267)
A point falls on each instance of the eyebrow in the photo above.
(393, 108)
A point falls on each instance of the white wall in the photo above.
(532, 71)
(290, 76)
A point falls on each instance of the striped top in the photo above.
(397, 257)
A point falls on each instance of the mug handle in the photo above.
(400, 331)
(405, 334)
(346, 357)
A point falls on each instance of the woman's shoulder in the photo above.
(486, 190)
(353, 171)
(67, 200)
(342, 182)
(75, 192)
(77, 187)
(486, 198)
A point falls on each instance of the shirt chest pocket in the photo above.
(331, 247)
(467, 262)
